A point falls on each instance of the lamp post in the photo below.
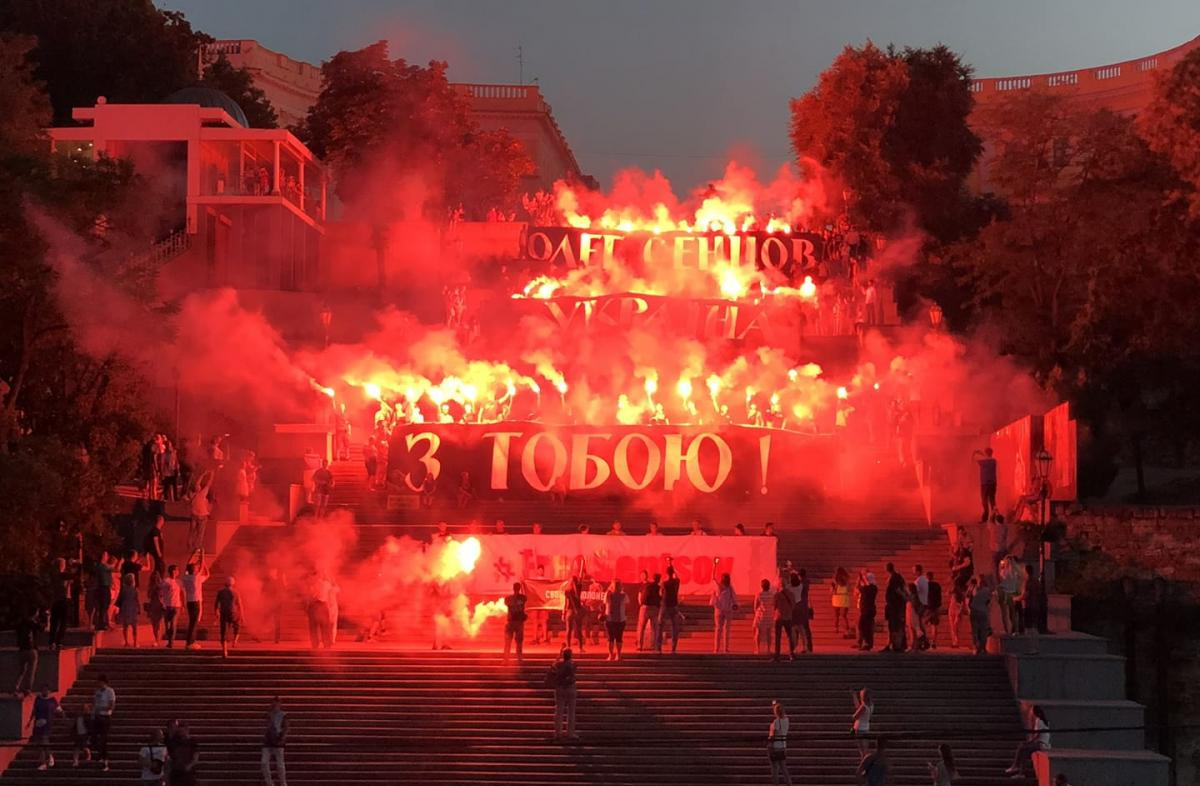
(1044, 461)
(326, 315)
(935, 316)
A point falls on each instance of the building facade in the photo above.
(292, 86)
(248, 209)
(1125, 87)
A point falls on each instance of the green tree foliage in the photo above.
(70, 424)
(127, 50)
(1171, 125)
(399, 138)
(893, 126)
(238, 84)
(1091, 277)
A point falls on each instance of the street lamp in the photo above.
(326, 315)
(935, 316)
(1044, 461)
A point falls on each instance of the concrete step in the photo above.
(1103, 725)
(1071, 677)
(1102, 768)
(1070, 643)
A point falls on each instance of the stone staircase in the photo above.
(454, 718)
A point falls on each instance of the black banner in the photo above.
(519, 459)
(791, 254)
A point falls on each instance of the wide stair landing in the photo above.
(376, 717)
(819, 551)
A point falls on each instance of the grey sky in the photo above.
(679, 84)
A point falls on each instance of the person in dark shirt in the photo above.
(868, 593)
(649, 602)
(514, 627)
(27, 653)
(183, 754)
(987, 482)
(63, 588)
(933, 610)
(895, 600)
(132, 566)
(153, 545)
(322, 487)
(801, 610)
(669, 612)
(228, 605)
(41, 721)
(573, 611)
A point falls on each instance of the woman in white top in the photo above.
(1038, 740)
(153, 758)
(943, 771)
(777, 745)
(861, 725)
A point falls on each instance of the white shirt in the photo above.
(154, 753)
(723, 599)
(170, 593)
(863, 724)
(922, 590)
(779, 732)
(104, 701)
(1043, 733)
(192, 584)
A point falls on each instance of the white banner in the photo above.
(698, 560)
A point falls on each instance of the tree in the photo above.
(70, 425)
(893, 126)
(1171, 125)
(1090, 275)
(127, 50)
(238, 84)
(390, 130)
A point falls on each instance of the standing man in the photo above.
(762, 619)
(274, 741)
(228, 606)
(783, 620)
(933, 610)
(201, 509)
(319, 621)
(649, 604)
(171, 595)
(27, 653)
(341, 434)
(895, 600)
(322, 487)
(921, 584)
(616, 605)
(104, 701)
(63, 587)
(183, 753)
(514, 627)
(998, 540)
(987, 482)
(102, 572)
(801, 610)
(153, 545)
(192, 583)
(561, 677)
(669, 613)
(41, 721)
(867, 596)
(724, 603)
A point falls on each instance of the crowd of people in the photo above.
(170, 756)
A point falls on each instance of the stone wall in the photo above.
(1149, 541)
(1135, 573)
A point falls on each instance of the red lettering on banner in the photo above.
(702, 570)
(650, 565)
(562, 318)
(581, 459)
(683, 569)
(720, 321)
(649, 254)
(758, 324)
(529, 461)
(627, 570)
(500, 447)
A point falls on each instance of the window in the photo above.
(1108, 72)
